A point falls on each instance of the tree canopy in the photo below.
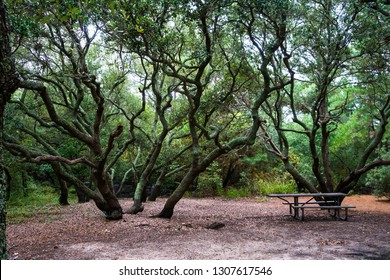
(104, 91)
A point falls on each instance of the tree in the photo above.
(333, 40)
(8, 85)
(72, 102)
(162, 98)
(200, 79)
(194, 58)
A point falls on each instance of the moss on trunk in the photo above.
(3, 212)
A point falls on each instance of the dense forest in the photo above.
(200, 97)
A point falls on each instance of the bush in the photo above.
(236, 193)
(277, 185)
(262, 184)
(269, 182)
(209, 182)
(40, 200)
(379, 181)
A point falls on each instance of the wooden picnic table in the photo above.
(322, 201)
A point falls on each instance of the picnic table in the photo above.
(298, 202)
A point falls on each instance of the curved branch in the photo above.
(42, 90)
(50, 158)
(110, 144)
(36, 157)
(345, 185)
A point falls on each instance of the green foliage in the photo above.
(23, 27)
(237, 193)
(41, 200)
(276, 185)
(261, 183)
(37, 195)
(379, 180)
(260, 186)
(261, 161)
(264, 183)
(209, 182)
(248, 183)
(141, 47)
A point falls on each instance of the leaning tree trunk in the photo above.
(179, 192)
(140, 191)
(155, 190)
(63, 199)
(111, 206)
(138, 198)
(104, 198)
(64, 192)
(299, 179)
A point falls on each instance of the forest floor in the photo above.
(255, 228)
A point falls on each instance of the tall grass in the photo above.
(276, 186)
(260, 186)
(237, 193)
(41, 201)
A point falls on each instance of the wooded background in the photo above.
(202, 97)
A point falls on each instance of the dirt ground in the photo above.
(253, 229)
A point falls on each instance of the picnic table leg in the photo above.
(346, 215)
(296, 210)
(336, 214)
(332, 212)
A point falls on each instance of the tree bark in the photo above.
(8, 85)
(64, 192)
(325, 116)
(179, 192)
(63, 199)
(137, 207)
(155, 192)
(4, 181)
(111, 206)
(156, 188)
(140, 194)
(299, 179)
(137, 204)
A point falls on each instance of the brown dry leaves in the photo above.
(253, 229)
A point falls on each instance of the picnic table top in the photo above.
(306, 194)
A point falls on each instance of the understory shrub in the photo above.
(40, 199)
(277, 185)
(379, 181)
(209, 183)
(262, 184)
(236, 193)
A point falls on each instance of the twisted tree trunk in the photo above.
(4, 184)
(8, 84)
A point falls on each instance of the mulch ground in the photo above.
(254, 228)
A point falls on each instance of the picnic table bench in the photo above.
(321, 201)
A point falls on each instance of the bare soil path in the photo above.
(254, 229)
